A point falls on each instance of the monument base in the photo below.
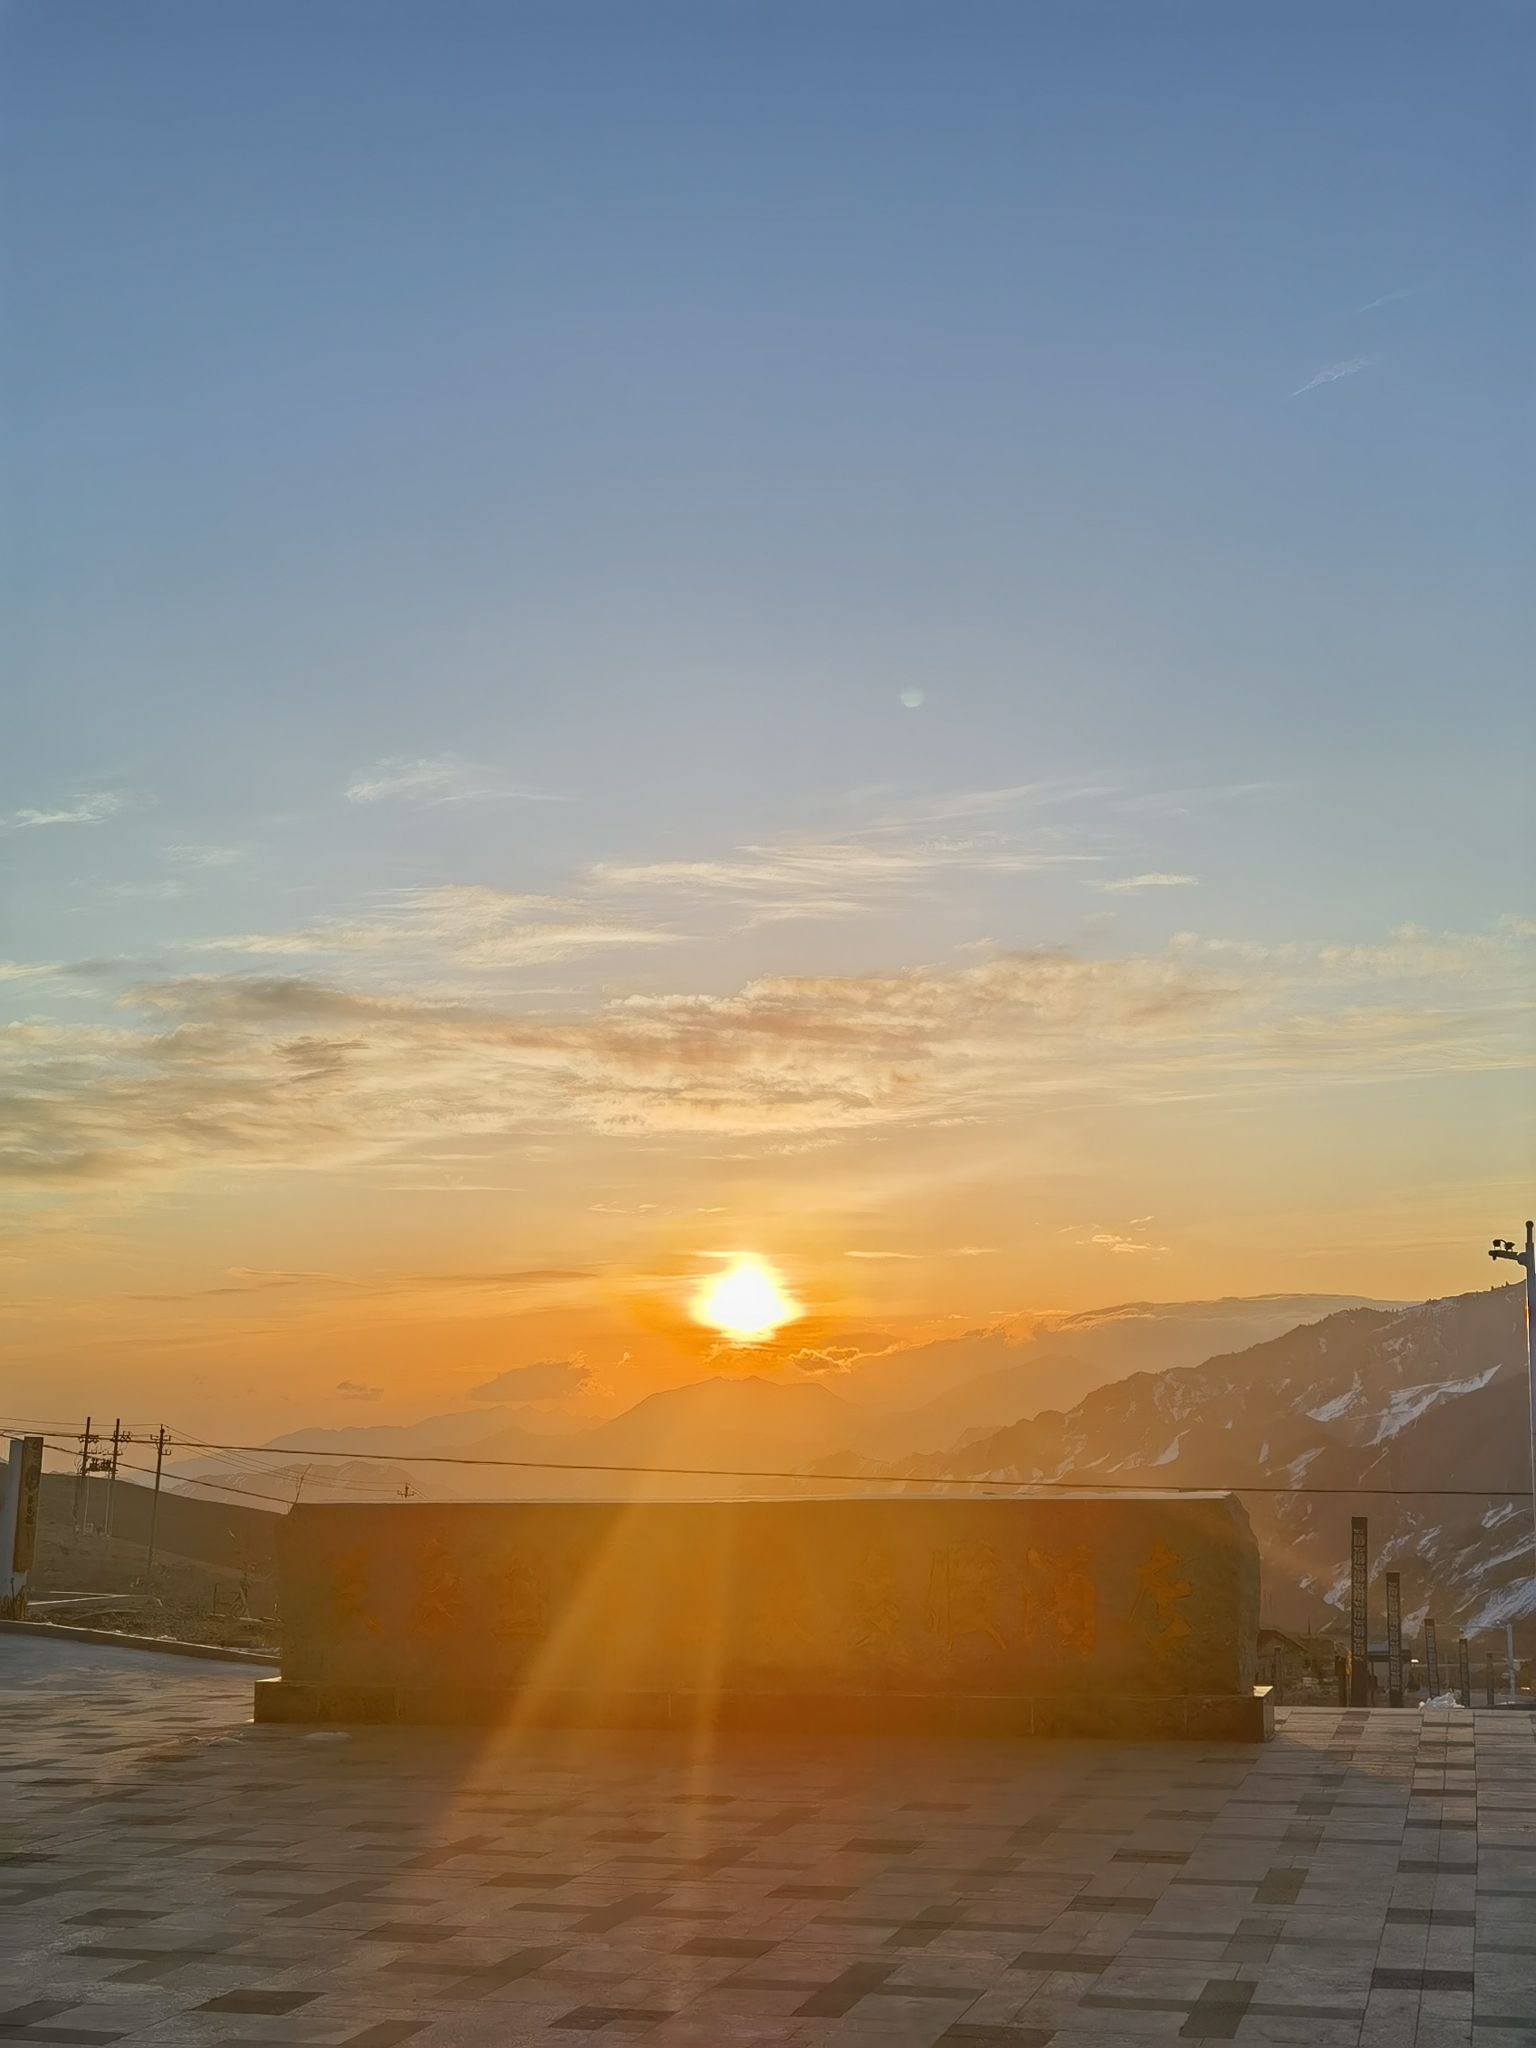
(1193, 1717)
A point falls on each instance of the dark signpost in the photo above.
(1431, 1658)
(1488, 1685)
(1394, 1640)
(1464, 1671)
(1359, 1617)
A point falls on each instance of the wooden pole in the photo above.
(154, 1505)
(117, 1438)
(81, 1480)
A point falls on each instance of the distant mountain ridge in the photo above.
(936, 1393)
(750, 1423)
(1406, 1400)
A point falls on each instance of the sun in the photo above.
(747, 1302)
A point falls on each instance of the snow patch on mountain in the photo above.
(1330, 1411)
(1407, 1404)
(1510, 1602)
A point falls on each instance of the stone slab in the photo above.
(1046, 1614)
(1122, 1717)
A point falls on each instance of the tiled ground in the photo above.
(169, 1873)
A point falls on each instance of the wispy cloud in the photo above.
(1333, 374)
(1115, 1241)
(897, 813)
(839, 864)
(810, 909)
(1180, 803)
(435, 779)
(551, 1379)
(249, 1280)
(237, 1071)
(81, 810)
(194, 856)
(894, 842)
(161, 890)
(958, 1251)
(252, 1280)
(1152, 881)
(467, 925)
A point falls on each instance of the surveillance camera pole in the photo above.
(1503, 1248)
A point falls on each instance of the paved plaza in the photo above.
(171, 1874)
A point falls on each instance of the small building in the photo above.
(1296, 1662)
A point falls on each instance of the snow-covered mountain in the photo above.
(1384, 1405)
(933, 1393)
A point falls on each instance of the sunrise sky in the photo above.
(886, 635)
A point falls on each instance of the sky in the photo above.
(891, 635)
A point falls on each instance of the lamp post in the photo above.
(1504, 1248)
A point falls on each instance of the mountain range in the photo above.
(882, 1401)
(1414, 1415)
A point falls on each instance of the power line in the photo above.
(12, 1422)
(207, 1485)
(1086, 1482)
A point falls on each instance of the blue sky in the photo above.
(1051, 447)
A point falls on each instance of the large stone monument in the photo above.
(1128, 1614)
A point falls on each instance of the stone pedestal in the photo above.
(1126, 1615)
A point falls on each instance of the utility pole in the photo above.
(154, 1505)
(1503, 1248)
(81, 1477)
(117, 1438)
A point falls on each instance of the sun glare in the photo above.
(746, 1302)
